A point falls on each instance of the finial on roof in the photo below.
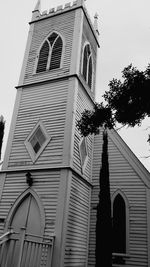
(36, 11)
(38, 6)
(96, 23)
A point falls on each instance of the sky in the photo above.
(124, 27)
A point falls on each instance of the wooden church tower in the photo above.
(49, 182)
(45, 183)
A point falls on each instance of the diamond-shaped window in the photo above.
(37, 141)
(83, 152)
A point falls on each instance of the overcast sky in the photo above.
(124, 27)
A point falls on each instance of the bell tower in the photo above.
(57, 82)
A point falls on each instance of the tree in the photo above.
(104, 221)
(2, 126)
(127, 102)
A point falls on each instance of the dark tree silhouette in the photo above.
(2, 126)
(104, 221)
(127, 102)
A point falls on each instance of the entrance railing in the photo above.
(25, 250)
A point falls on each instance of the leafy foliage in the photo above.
(2, 126)
(127, 102)
(129, 99)
(91, 120)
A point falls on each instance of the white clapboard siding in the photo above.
(83, 103)
(46, 185)
(47, 103)
(63, 24)
(124, 177)
(77, 224)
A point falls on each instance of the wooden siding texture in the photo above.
(47, 103)
(63, 24)
(77, 224)
(83, 103)
(46, 185)
(125, 178)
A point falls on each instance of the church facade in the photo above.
(49, 182)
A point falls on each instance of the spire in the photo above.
(96, 23)
(36, 11)
(38, 6)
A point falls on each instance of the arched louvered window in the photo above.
(87, 65)
(56, 54)
(50, 53)
(119, 225)
(85, 60)
(43, 57)
(90, 72)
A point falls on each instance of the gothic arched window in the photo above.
(87, 65)
(119, 225)
(50, 54)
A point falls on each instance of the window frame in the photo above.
(83, 166)
(34, 156)
(87, 66)
(126, 254)
(50, 53)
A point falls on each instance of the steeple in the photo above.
(36, 10)
(38, 6)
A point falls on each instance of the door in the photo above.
(27, 246)
(27, 216)
(26, 224)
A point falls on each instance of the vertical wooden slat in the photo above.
(39, 255)
(30, 263)
(4, 253)
(43, 257)
(35, 256)
(21, 245)
(1, 253)
(28, 253)
(10, 253)
(49, 256)
(24, 256)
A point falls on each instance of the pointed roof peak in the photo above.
(38, 6)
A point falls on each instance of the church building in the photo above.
(49, 182)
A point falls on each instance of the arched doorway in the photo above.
(27, 215)
(27, 245)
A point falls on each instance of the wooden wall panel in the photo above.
(77, 224)
(48, 104)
